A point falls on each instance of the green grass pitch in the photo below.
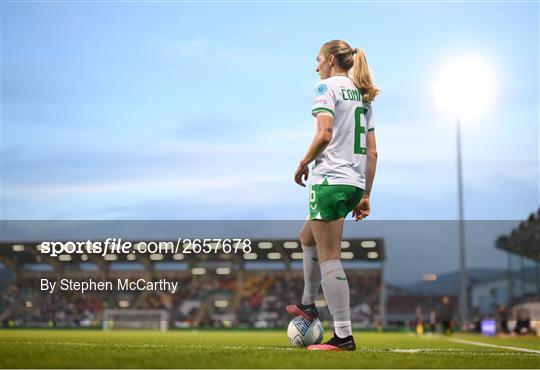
(254, 349)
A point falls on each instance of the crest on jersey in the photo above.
(320, 89)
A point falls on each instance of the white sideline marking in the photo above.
(445, 351)
(277, 348)
(463, 341)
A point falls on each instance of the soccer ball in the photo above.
(303, 332)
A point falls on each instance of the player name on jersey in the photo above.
(350, 94)
(97, 285)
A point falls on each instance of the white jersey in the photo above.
(344, 159)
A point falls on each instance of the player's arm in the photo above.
(325, 122)
(363, 208)
(371, 165)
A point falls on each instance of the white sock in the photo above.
(336, 292)
(312, 275)
(343, 328)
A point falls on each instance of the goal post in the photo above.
(135, 319)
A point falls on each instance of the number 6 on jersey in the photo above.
(358, 131)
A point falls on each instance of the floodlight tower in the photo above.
(465, 87)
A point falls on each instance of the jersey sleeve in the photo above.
(324, 100)
(369, 117)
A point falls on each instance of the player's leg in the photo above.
(334, 281)
(310, 262)
(312, 276)
(328, 235)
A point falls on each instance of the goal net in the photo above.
(135, 319)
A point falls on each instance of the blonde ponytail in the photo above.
(362, 78)
(349, 59)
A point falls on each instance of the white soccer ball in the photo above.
(303, 332)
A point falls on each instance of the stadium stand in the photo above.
(229, 292)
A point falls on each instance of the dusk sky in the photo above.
(202, 110)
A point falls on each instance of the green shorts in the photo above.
(332, 202)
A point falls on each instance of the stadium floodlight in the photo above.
(131, 257)
(290, 245)
(178, 256)
(64, 257)
(347, 255)
(464, 87)
(223, 271)
(250, 256)
(110, 257)
(273, 256)
(198, 271)
(156, 257)
(368, 244)
(372, 255)
(345, 244)
(297, 255)
(18, 248)
(265, 245)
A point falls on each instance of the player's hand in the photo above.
(301, 171)
(362, 209)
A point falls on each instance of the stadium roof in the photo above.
(524, 240)
(262, 251)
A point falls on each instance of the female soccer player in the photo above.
(345, 156)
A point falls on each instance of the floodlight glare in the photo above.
(465, 86)
(290, 245)
(368, 244)
(265, 245)
(372, 255)
(18, 248)
(156, 257)
(297, 255)
(250, 256)
(273, 256)
(178, 256)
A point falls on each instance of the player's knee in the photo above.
(307, 239)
